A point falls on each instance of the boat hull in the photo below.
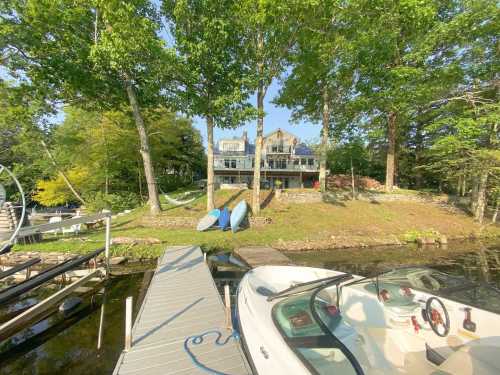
(238, 214)
(208, 220)
(381, 333)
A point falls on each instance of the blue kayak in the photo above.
(224, 219)
(238, 214)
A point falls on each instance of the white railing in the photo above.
(245, 164)
(41, 228)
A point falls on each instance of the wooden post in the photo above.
(128, 324)
(205, 257)
(227, 300)
(108, 243)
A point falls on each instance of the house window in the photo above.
(270, 163)
(303, 161)
(311, 162)
(230, 147)
(296, 161)
(230, 163)
(281, 164)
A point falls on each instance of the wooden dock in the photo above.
(182, 301)
(256, 256)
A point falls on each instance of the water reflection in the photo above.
(474, 260)
(87, 341)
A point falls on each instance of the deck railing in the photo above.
(247, 165)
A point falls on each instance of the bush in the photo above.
(115, 202)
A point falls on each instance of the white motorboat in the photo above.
(414, 320)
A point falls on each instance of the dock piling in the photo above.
(227, 300)
(108, 243)
(128, 324)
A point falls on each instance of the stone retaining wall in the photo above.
(300, 197)
(46, 258)
(191, 222)
(290, 196)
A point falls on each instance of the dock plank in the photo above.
(256, 256)
(182, 301)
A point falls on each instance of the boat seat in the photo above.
(472, 360)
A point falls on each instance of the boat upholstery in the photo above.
(473, 360)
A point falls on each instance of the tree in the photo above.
(396, 63)
(318, 77)
(270, 30)
(213, 77)
(92, 53)
(20, 134)
(101, 147)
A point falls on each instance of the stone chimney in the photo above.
(245, 136)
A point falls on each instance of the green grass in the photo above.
(355, 222)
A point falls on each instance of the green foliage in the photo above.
(212, 76)
(55, 192)
(114, 202)
(356, 152)
(104, 147)
(413, 235)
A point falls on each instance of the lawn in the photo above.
(313, 225)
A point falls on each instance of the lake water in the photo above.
(59, 345)
(477, 261)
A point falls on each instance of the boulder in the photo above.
(117, 260)
(422, 241)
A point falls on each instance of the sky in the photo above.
(276, 117)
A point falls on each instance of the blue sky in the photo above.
(276, 117)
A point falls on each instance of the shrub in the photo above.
(115, 202)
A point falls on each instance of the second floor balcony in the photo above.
(306, 164)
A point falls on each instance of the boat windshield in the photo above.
(441, 284)
(312, 326)
(310, 285)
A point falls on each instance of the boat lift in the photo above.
(39, 311)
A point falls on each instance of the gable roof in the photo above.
(282, 131)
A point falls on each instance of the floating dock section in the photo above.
(182, 301)
(256, 256)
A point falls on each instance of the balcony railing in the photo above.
(247, 165)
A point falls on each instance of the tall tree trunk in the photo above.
(464, 185)
(495, 213)
(260, 131)
(418, 156)
(481, 197)
(324, 139)
(459, 184)
(153, 200)
(210, 163)
(391, 151)
(474, 194)
(352, 181)
(61, 173)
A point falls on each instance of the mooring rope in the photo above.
(198, 339)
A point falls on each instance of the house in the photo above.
(284, 158)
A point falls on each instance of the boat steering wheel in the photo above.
(6, 176)
(435, 315)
